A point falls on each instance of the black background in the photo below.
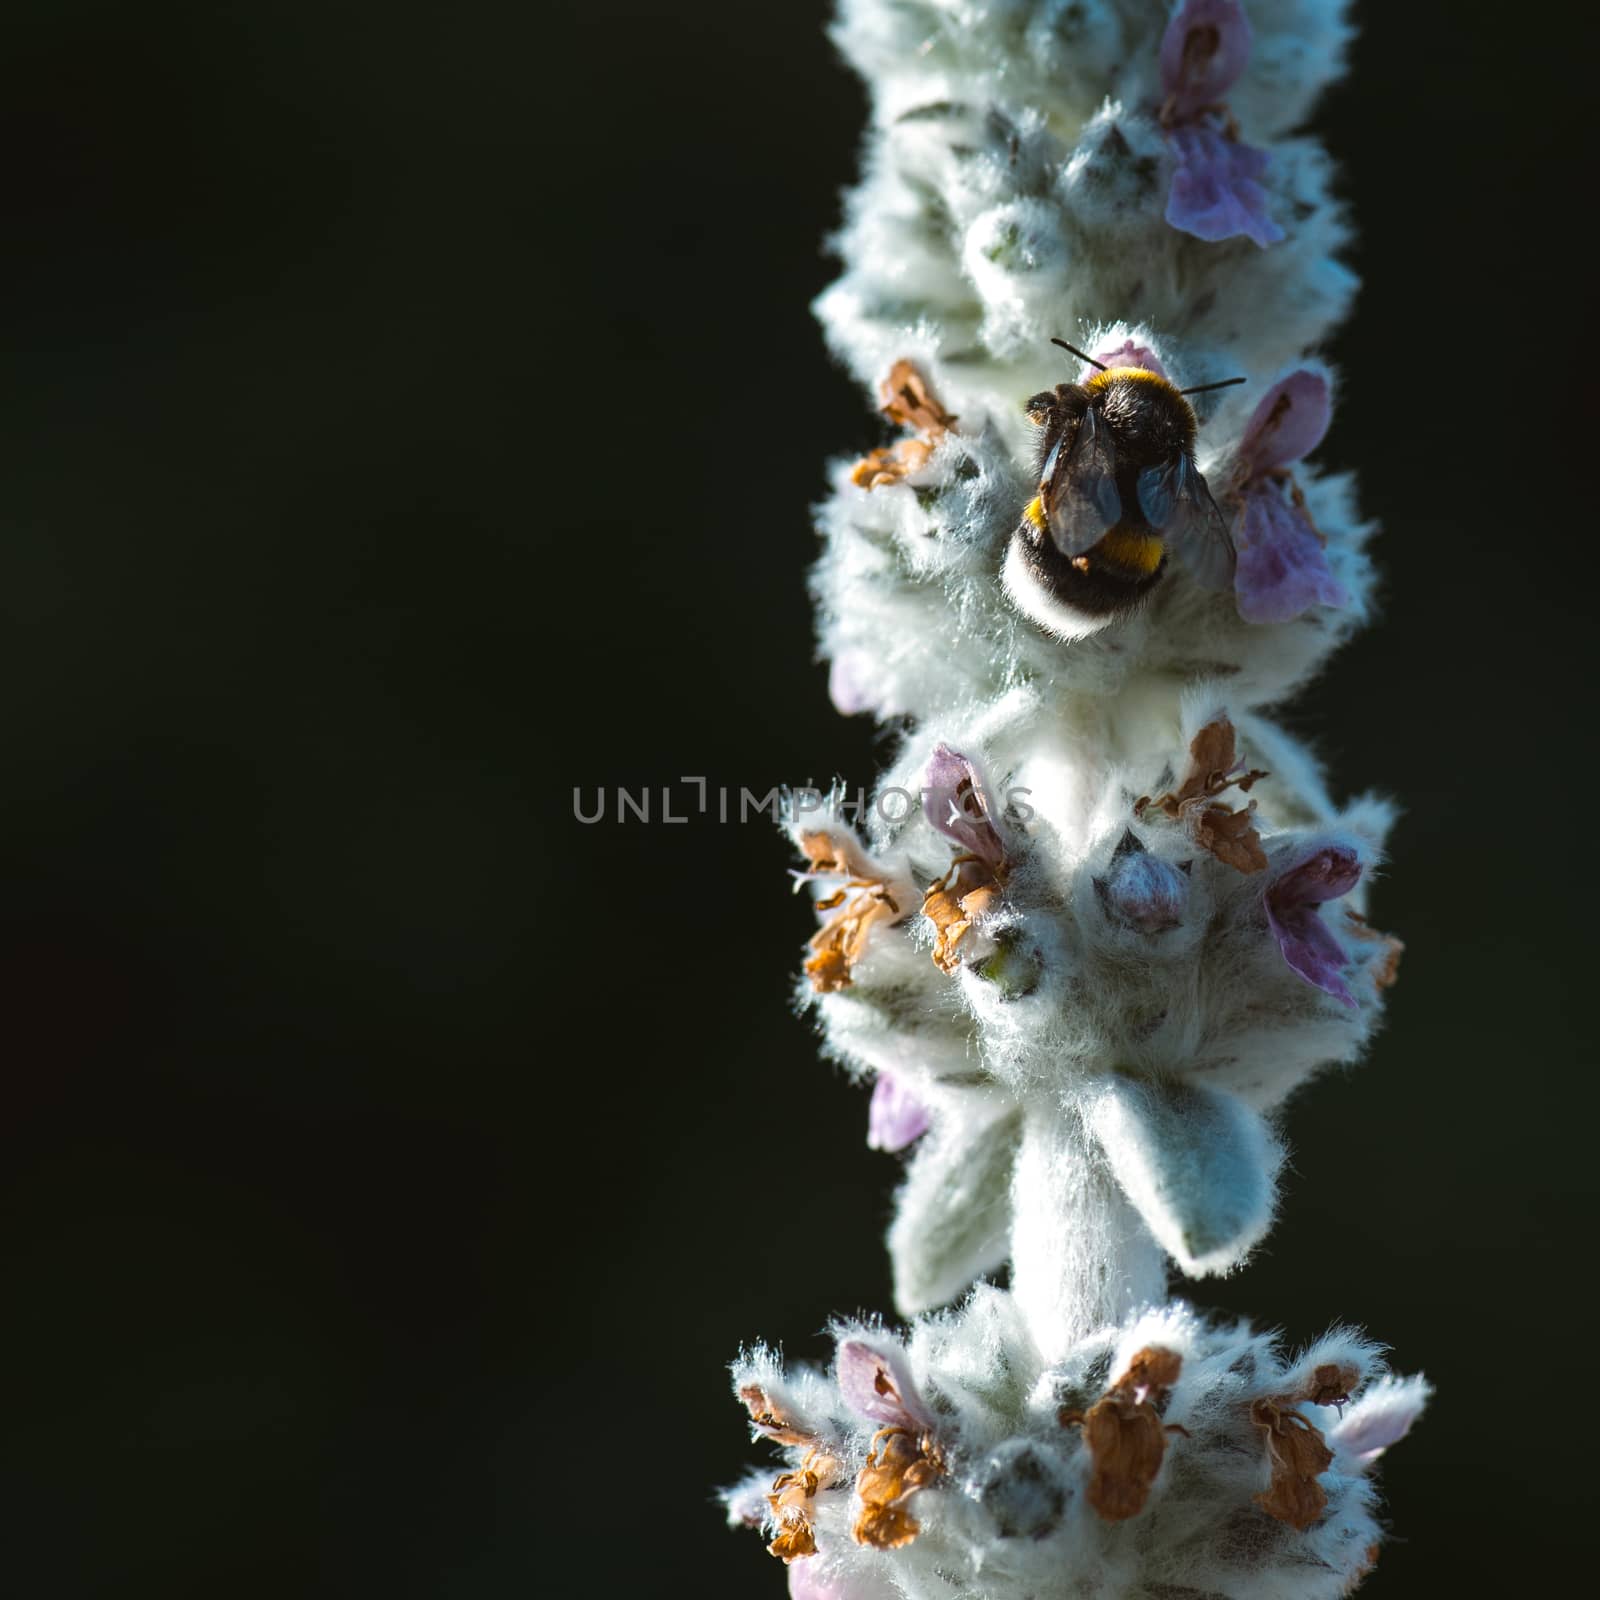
(411, 414)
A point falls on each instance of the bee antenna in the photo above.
(1200, 388)
(1082, 357)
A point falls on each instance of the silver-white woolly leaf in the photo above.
(952, 1220)
(1199, 1167)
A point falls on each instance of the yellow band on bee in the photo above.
(1034, 512)
(1127, 375)
(1131, 550)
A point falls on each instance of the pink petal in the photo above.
(1381, 1417)
(1129, 354)
(814, 1579)
(876, 1385)
(848, 678)
(896, 1117)
(1214, 192)
(1306, 942)
(956, 803)
(1333, 871)
(1282, 569)
(1203, 51)
(1289, 423)
(809, 1581)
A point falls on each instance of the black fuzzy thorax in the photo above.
(1149, 422)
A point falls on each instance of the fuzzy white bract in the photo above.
(1101, 915)
(1027, 1492)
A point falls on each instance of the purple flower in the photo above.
(955, 802)
(1129, 354)
(896, 1117)
(876, 1385)
(1289, 423)
(1215, 191)
(1203, 53)
(1292, 899)
(1283, 569)
(848, 677)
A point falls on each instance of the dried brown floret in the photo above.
(860, 906)
(1125, 1434)
(905, 1463)
(1297, 1456)
(1227, 834)
(907, 400)
(771, 1419)
(954, 902)
(791, 1501)
(1230, 836)
(1330, 1384)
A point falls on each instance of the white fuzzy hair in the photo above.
(1102, 1060)
(1010, 1515)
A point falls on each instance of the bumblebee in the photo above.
(1118, 490)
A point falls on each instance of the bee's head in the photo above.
(1137, 387)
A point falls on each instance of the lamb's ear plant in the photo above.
(1122, 917)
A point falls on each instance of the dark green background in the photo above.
(411, 413)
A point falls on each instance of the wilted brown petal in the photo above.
(791, 1502)
(1227, 834)
(1297, 1456)
(885, 1527)
(770, 1418)
(828, 970)
(904, 1464)
(909, 401)
(1330, 1384)
(890, 463)
(841, 942)
(1127, 1443)
(1125, 1435)
(1230, 836)
(791, 1497)
(1154, 1369)
(1210, 755)
(968, 891)
(858, 907)
(833, 855)
(795, 1538)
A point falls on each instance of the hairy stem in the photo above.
(1081, 1258)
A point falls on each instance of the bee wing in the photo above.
(1079, 488)
(1193, 525)
(1157, 488)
